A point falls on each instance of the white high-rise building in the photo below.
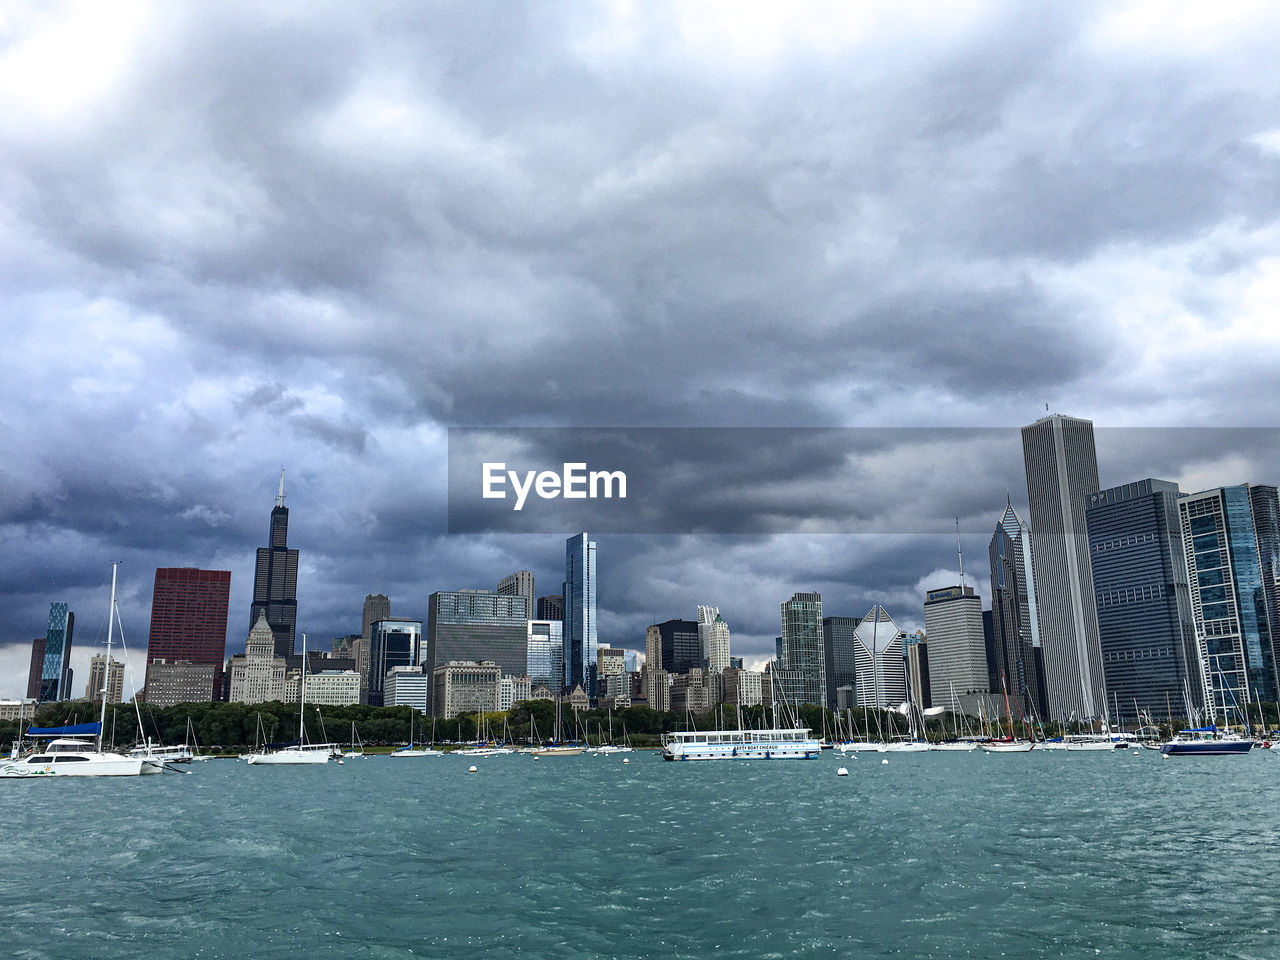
(713, 634)
(257, 675)
(880, 671)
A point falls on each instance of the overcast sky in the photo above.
(240, 236)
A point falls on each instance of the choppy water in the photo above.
(933, 855)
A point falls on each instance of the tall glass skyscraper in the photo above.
(55, 673)
(393, 642)
(804, 667)
(1062, 470)
(1145, 625)
(545, 651)
(1228, 599)
(580, 641)
(275, 581)
(1015, 659)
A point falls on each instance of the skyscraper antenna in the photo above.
(959, 554)
(280, 495)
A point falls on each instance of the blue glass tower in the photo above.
(1227, 597)
(1145, 623)
(580, 641)
(55, 673)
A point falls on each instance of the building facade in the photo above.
(394, 642)
(55, 668)
(377, 606)
(472, 625)
(35, 669)
(957, 649)
(180, 681)
(257, 675)
(713, 637)
(544, 651)
(804, 669)
(1062, 471)
(462, 686)
(679, 646)
(275, 580)
(189, 619)
(512, 690)
(550, 607)
(1014, 655)
(1145, 622)
(839, 648)
(407, 687)
(580, 640)
(104, 674)
(881, 672)
(1228, 599)
(520, 584)
(742, 688)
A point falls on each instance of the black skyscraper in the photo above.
(275, 582)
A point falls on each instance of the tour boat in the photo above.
(793, 743)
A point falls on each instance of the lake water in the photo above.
(930, 855)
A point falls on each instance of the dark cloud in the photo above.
(235, 237)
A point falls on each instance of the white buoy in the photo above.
(624, 760)
(842, 772)
(884, 761)
(471, 769)
(536, 757)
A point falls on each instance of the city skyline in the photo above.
(603, 216)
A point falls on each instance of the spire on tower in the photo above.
(280, 495)
(959, 555)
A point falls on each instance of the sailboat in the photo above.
(299, 752)
(415, 751)
(70, 752)
(1008, 744)
(357, 745)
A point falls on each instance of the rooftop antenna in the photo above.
(959, 554)
(280, 495)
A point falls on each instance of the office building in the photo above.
(55, 669)
(189, 619)
(466, 686)
(377, 606)
(257, 675)
(803, 671)
(393, 642)
(1062, 470)
(1014, 656)
(1265, 507)
(679, 647)
(105, 675)
(407, 687)
(11, 710)
(611, 660)
(880, 667)
(1145, 622)
(1228, 599)
(181, 681)
(692, 692)
(713, 638)
(742, 688)
(957, 650)
(840, 650)
(916, 652)
(550, 608)
(475, 625)
(330, 688)
(580, 640)
(513, 690)
(275, 581)
(520, 584)
(35, 669)
(544, 651)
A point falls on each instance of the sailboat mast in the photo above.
(106, 671)
(302, 683)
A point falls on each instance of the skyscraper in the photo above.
(839, 645)
(36, 668)
(1264, 504)
(393, 642)
(544, 646)
(1062, 470)
(105, 674)
(550, 607)
(189, 619)
(580, 640)
(803, 673)
(713, 638)
(881, 667)
(679, 645)
(1014, 661)
(275, 581)
(1228, 600)
(55, 672)
(1145, 622)
(519, 584)
(957, 652)
(377, 606)
(474, 625)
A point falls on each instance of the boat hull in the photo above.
(284, 758)
(1207, 748)
(1022, 747)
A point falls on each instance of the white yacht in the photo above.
(298, 752)
(794, 743)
